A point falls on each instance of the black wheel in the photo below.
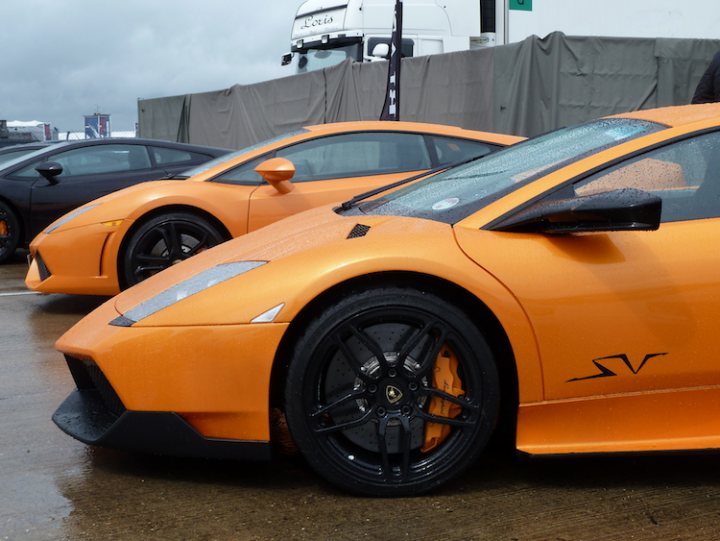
(391, 392)
(164, 241)
(9, 232)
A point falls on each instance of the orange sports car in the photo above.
(566, 287)
(118, 240)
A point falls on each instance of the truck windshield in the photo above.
(315, 59)
(460, 191)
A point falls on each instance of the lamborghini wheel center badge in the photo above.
(393, 394)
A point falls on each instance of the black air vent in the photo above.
(42, 268)
(89, 377)
(359, 230)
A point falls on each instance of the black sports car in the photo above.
(38, 187)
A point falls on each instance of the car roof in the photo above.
(679, 115)
(137, 141)
(56, 147)
(20, 146)
(420, 127)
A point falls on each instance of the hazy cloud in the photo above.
(60, 60)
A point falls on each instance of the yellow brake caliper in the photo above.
(3, 228)
(446, 379)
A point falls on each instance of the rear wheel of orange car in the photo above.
(9, 232)
(164, 241)
(391, 392)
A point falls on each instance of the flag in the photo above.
(391, 108)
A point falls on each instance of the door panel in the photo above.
(615, 312)
(88, 173)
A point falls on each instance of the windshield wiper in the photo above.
(171, 176)
(347, 205)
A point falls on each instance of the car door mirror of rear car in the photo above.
(615, 210)
(277, 172)
(50, 170)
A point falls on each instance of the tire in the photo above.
(9, 232)
(361, 392)
(164, 241)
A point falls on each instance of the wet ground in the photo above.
(53, 487)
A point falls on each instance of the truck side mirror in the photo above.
(277, 172)
(381, 50)
(286, 59)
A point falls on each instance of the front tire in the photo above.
(164, 241)
(391, 392)
(9, 232)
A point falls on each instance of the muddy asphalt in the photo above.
(53, 487)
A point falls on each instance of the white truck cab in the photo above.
(326, 32)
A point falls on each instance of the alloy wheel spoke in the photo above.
(148, 264)
(349, 397)
(367, 416)
(429, 354)
(412, 342)
(406, 446)
(142, 270)
(355, 364)
(451, 421)
(201, 243)
(382, 444)
(150, 258)
(372, 345)
(172, 241)
(462, 402)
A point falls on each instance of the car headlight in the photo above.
(186, 288)
(65, 219)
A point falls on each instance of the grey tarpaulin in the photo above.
(524, 88)
(165, 118)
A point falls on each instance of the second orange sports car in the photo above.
(566, 287)
(121, 239)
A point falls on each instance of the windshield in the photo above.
(315, 59)
(15, 159)
(8, 155)
(227, 157)
(458, 192)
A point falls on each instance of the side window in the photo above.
(96, 160)
(452, 150)
(165, 156)
(243, 174)
(686, 175)
(357, 154)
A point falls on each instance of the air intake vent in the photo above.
(42, 268)
(359, 230)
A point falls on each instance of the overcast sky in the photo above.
(62, 59)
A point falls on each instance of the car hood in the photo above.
(299, 253)
(316, 229)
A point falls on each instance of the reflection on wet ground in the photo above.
(53, 487)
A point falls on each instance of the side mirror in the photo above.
(50, 170)
(381, 50)
(615, 210)
(277, 172)
(286, 59)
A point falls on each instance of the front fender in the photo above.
(295, 277)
